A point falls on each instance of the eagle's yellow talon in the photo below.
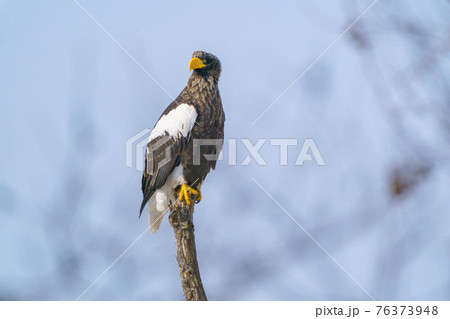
(186, 198)
(185, 190)
(199, 196)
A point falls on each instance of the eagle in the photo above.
(190, 129)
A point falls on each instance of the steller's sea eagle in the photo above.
(171, 167)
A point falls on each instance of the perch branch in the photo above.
(181, 219)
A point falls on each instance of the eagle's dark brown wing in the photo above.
(162, 156)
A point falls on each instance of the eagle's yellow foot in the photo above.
(199, 196)
(185, 191)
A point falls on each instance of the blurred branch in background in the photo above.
(405, 58)
(413, 96)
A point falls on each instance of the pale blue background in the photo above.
(70, 98)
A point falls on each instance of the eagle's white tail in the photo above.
(161, 200)
(157, 207)
(155, 220)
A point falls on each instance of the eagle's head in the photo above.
(205, 64)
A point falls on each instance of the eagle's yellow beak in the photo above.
(196, 63)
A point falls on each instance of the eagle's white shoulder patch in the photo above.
(180, 120)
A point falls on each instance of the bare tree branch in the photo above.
(181, 219)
